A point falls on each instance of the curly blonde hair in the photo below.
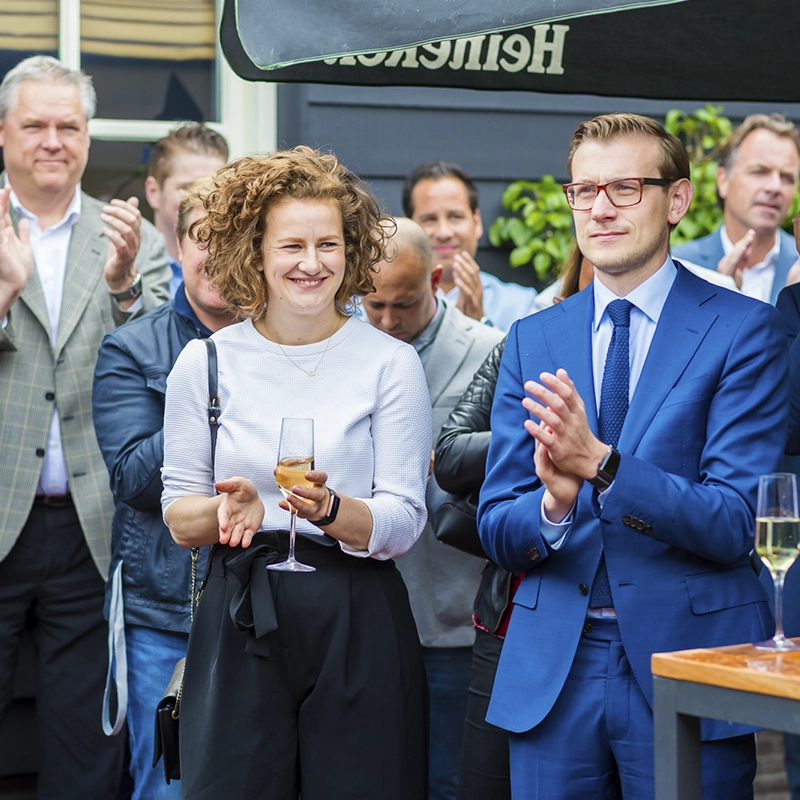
(238, 206)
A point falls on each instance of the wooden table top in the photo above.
(736, 667)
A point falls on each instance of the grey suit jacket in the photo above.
(442, 581)
(707, 252)
(34, 377)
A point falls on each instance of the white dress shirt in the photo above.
(756, 280)
(50, 248)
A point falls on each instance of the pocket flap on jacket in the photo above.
(157, 381)
(528, 593)
(725, 589)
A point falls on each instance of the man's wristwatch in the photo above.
(132, 292)
(333, 510)
(606, 470)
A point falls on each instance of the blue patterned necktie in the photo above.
(613, 408)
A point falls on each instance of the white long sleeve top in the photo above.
(372, 424)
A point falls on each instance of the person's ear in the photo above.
(478, 223)
(152, 191)
(436, 277)
(681, 193)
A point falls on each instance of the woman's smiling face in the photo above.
(303, 255)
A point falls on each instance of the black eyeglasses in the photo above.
(623, 193)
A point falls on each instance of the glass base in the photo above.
(777, 645)
(291, 565)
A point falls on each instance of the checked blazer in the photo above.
(34, 377)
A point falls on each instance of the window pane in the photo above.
(151, 59)
(27, 28)
(117, 169)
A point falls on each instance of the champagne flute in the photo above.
(295, 458)
(777, 528)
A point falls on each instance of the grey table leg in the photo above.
(677, 746)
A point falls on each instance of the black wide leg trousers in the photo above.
(307, 683)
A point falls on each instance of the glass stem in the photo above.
(292, 535)
(778, 579)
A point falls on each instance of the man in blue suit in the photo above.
(632, 524)
(756, 182)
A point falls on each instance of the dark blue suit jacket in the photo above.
(707, 251)
(707, 418)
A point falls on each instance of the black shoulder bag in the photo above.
(168, 710)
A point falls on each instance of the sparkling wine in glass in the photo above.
(777, 530)
(295, 458)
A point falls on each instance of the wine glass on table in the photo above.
(777, 529)
(295, 458)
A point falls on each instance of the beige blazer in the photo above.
(34, 378)
(442, 581)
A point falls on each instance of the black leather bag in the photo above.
(454, 523)
(167, 732)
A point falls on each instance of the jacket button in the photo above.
(583, 589)
(587, 627)
(533, 554)
(627, 519)
(40, 452)
(49, 396)
(640, 526)
(648, 528)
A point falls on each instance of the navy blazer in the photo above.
(707, 251)
(707, 418)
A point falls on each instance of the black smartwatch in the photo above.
(606, 470)
(334, 510)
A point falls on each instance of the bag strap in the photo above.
(213, 398)
(117, 672)
(213, 425)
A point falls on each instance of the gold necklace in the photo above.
(313, 372)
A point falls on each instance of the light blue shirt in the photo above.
(177, 277)
(503, 303)
(648, 302)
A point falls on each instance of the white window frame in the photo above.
(248, 111)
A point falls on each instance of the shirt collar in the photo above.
(769, 259)
(71, 216)
(426, 336)
(181, 305)
(649, 297)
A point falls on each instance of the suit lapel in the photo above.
(448, 351)
(786, 258)
(681, 328)
(569, 342)
(33, 294)
(85, 261)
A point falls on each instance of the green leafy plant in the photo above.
(702, 132)
(541, 228)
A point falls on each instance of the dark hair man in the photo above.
(756, 182)
(443, 199)
(629, 427)
(71, 269)
(185, 154)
